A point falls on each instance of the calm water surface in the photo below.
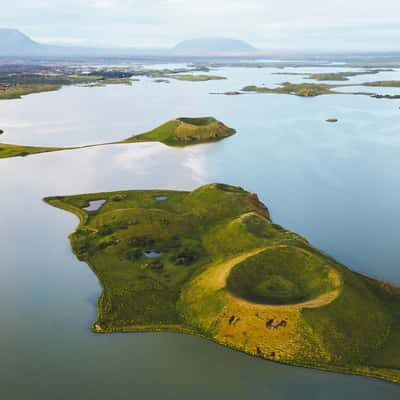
(336, 184)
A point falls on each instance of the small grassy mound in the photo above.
(186, 131)
(283, 275)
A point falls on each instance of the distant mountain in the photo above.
(13, 41)
(212, 46)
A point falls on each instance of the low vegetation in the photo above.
(226, 272)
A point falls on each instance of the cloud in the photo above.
(157, 23)
(104, 4)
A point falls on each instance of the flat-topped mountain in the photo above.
(212, 46)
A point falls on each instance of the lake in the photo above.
(335, 184)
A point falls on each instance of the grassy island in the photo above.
(335, 76)
(317, 89)
(185, 131)
(196, 78)
(298, 89)
(177, 132)
(212, 263)
(383, 84)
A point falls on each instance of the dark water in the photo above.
(336, 184)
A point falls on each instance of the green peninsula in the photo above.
(14, 150)
(177, 132)
(212, 263)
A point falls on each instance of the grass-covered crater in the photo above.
(282, 275)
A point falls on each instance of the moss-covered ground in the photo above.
(221, 269)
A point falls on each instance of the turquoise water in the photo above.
(336, 184)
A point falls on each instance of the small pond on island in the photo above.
(94, 205)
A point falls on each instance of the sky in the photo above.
(267, 24)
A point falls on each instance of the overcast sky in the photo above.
(268, 24)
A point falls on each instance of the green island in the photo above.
(334, 76)
(298, 89)
(318, 89)
(177, 132)
(185, 131)
(196, 78)
(382, 84)
(212, 263)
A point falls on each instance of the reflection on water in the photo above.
(337, 184)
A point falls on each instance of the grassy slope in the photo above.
(205, 236)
